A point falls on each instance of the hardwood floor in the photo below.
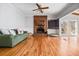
(44, 46)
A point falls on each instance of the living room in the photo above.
(39, 29)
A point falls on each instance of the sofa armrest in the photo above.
(5, 40)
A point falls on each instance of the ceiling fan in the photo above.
(75, 13)
(40, 8)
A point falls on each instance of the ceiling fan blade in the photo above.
(44, 8)
(35, 9)
(41, 10)
(38, 5)
(75, 13)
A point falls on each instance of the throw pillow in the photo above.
(12, 32)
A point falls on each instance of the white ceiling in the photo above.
(53, 11)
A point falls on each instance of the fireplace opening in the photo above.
(40, 28)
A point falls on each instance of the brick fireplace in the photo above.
(40, 24)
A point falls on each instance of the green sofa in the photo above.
(12, 40)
